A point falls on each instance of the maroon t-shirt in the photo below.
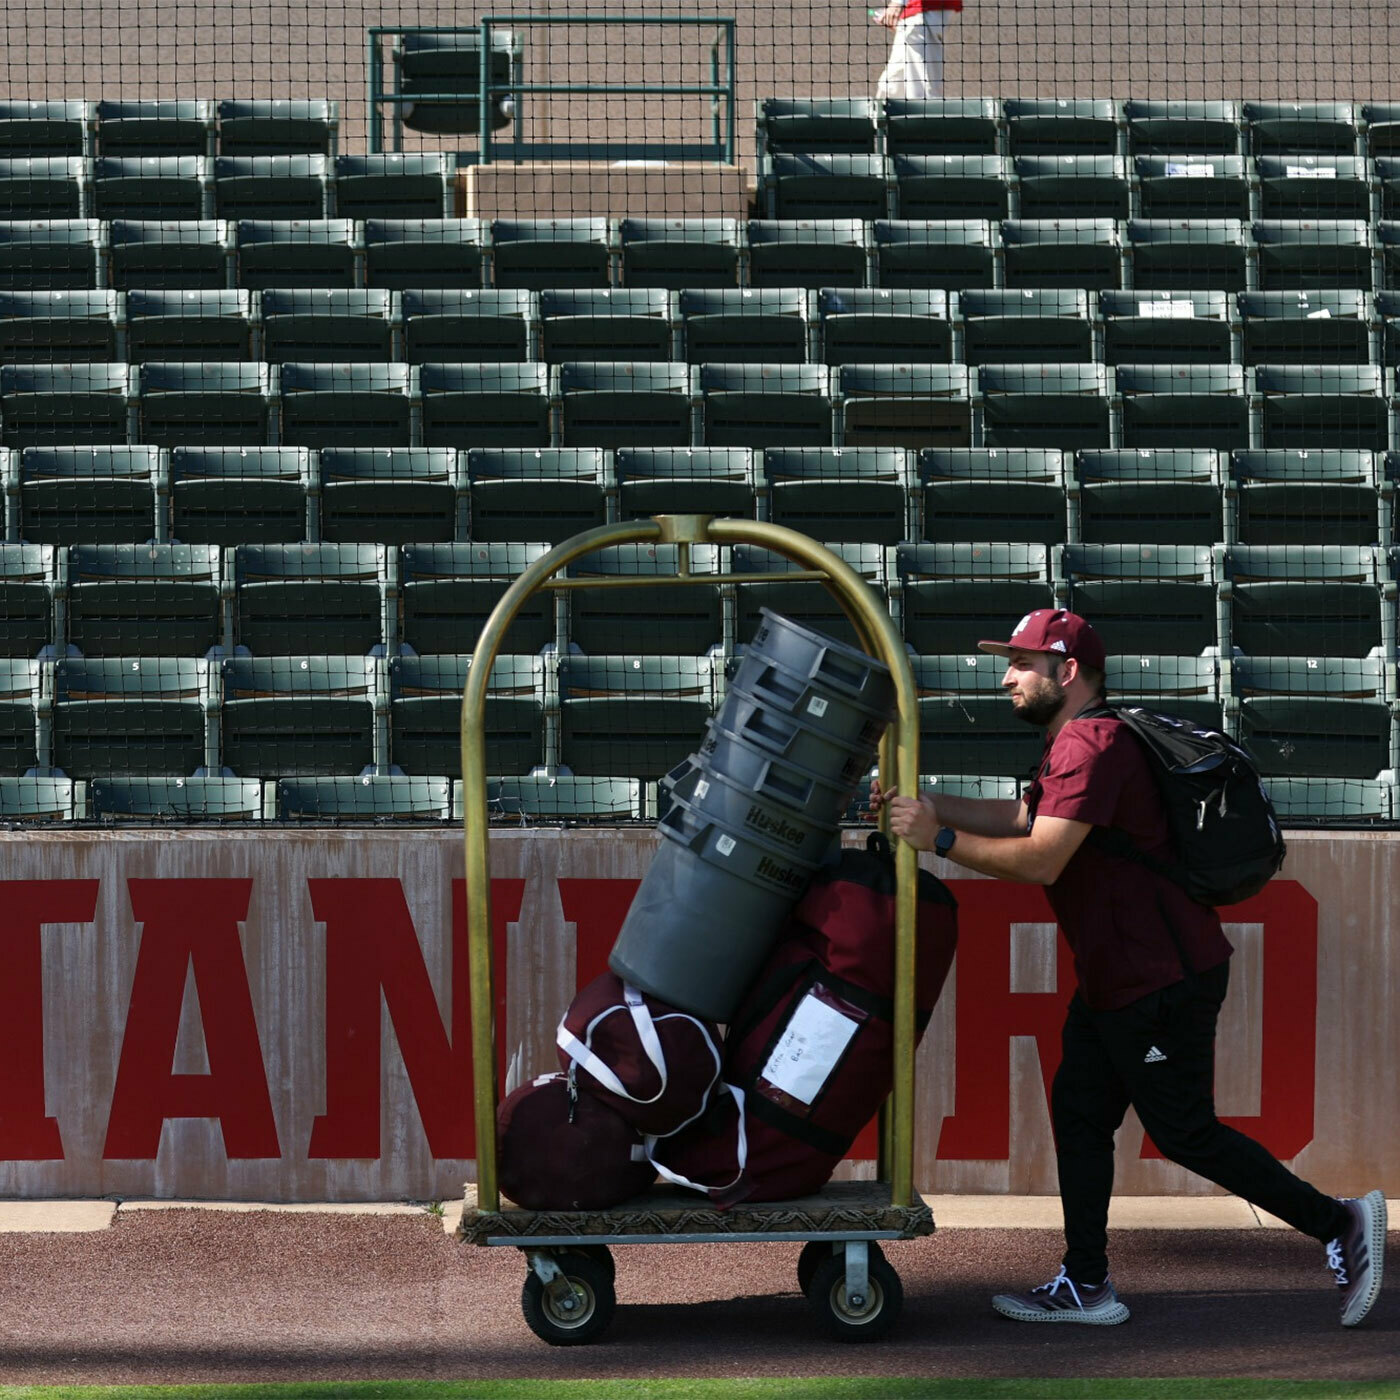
(1116, 914)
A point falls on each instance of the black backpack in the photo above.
(1223, 826)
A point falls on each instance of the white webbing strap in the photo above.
(742, 1154)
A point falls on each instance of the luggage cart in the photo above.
(568, 1297)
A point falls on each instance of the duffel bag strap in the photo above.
(676, 1179)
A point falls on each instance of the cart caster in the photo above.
(568, 1298)
(851, 1309)
(602, 1254)
(814, 1251)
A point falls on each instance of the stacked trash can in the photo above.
(752, 815)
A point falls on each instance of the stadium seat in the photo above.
(864, 326)
(948, 255)
(328, 324)
(1304, 497)
(189, 325)
(272, 187)
(1144, 495)
(44, 187)
(152, 187)
(20, 690)
(685, 481)
(952, 187)
(1062, 253)
(542, 493)
(1293, 128)
(278, 127)
(942, 126)
(886, 405)
(424, 253)
(1026, 326)
(46, 127)
(989, 787)
(825, 186)
(172, 256)
(1014, 494)
(1064, 406)
(296, 253)
(131, 716)
(121, 798)
(425, 713)
(1058, 126)
(603, 323)
(1072, 187)
(319, 599)
(1313, 187)
(645, 620)
(1303, 600)
(1183, 406)
(300, 716)
(340, 405)
(733, 325)
(70, 327)
(1184, 686)
(680, 253)
(392, 495)
(1202, 128)
(857, 495)
(1193, 187)
(495, 324)
(1382, 121)
(614, 403)
(384, 799)
(765, 405)
(1188, 255)
(241, 495)
(433, 66)
(52, 254)
(966, 720)
(192, 403)
(485, 405)
(539, 253)
(1387, 251)
(1306, 328)
(559, 797)
(1167, 328)
(1388, 185)
(28, 583)
(1317, 406)
(419, 185)
(88, 495)
(448, 591)
(808, 253)
(823, 124)
(632, 716)
(1313, 255)
(1146, 599)
(809, 602)
(952, 596)
(36, 799)
(155, 126)
(1332, 801)
(1388, 315)
(61, 404)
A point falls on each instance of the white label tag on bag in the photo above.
(809, 1049)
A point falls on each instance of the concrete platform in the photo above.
(640, 189)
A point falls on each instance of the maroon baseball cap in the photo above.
(1054, 630)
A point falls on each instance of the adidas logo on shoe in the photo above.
(1153, 1057)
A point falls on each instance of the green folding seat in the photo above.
(278, 126)
(1146, 599)
(67, 327)
(272, 187)
(88, 495)
(1313, 254)
(1314, 716)
(604, 323)
(485, 405)
(632, 716)
(748, 405)
(394, 185)
(296, 252)
(559, 797)
(152, 187)
(616, 403)
(965, 719)
(21, 688)
(1199, 127)
(825, 124)
(866, 325)
(540, 253)
(135, 716)
(808, 253)
(145, 600)
(44, 187)
(329, 324)
(155, 126)
(1058, 126)
(384, 799)
(858, 495)
(1388, 316)
(1167, 328)
(392, 495)
(1024, 325)
(65, 404)
(680, 253)
(301, 716)
(449, 590)
(468, 323)
(1183, 406)
(1177, 186)
(346, 405)
(1316, 406)
(942, 126)
(425, 713)
(645, 620)
(424, 253)
(190, 403)
(952, 596)
(1382, 128)
(440, 70)
(1188, 255)
(952, 186)
(809, 602)
(189, 325)
(1072, 187)
(1062, 253)
(29, 581)
(742, 325)
(1387, 251)
(317, 599)
(1313, 187)
(542, 493)
(1292, 128)
(241, 495)
(1186, 687)
(1332, 801)
(1146, 495)
(47, 127)
(147, 801)
(917, 405)
(950, 254)
(36, 799)
(1306, 328)
(1016, 494)
(1284, 496)
(52, 254)
(804, 185)
(1304, 600)
(171, 255)
(1035, 405)
(685, 481)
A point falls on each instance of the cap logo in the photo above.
(1022, 625)
(1058, 645)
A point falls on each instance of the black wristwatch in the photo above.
(943, 842)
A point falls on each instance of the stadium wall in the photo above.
(283, 1015)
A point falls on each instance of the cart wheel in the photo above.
(843, 1320)
(576, 1318)
(813, 1252)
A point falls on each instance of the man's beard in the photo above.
(1043, 704)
